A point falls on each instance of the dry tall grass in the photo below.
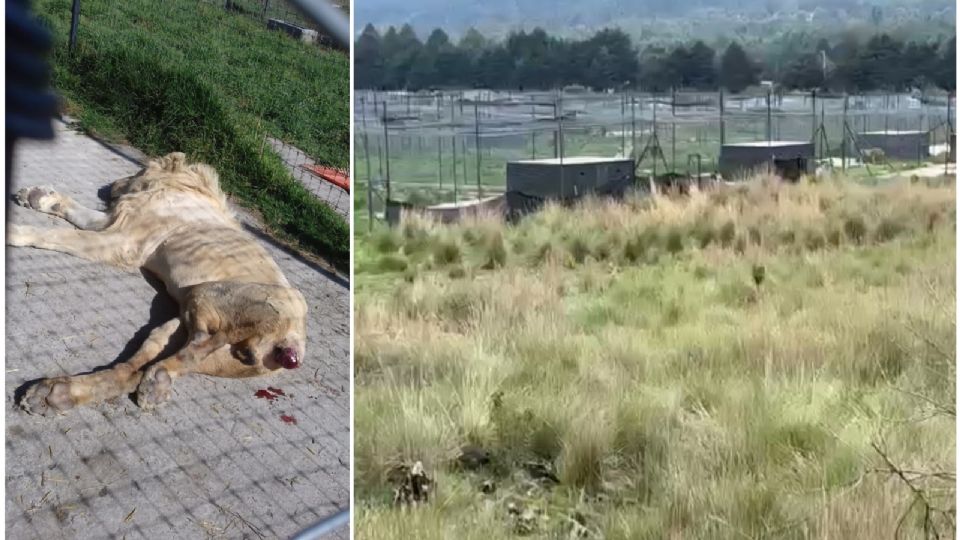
(626, 349)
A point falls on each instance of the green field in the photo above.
(758, 362)
(190, 76)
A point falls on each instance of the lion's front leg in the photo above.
(157, 380)
(60, 394)
(107, 247)
(49, 201)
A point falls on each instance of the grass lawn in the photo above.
(186, 75)
(746, 363)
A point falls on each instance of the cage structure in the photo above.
(453, 212)
(907, 145)
(786, 158)
(531, 182)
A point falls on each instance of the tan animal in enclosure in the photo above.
(239, 317)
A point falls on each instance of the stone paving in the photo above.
(215, 461)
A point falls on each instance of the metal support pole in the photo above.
(366, 154)
(673, 146)
(386, 147)
(326, 526)
(723, 135)
(843, 134)
(439, 152)
(769, 125)
(561, 147)
(463, 152)
(74, 23)
(813, 119)
(556, 136)
(476, 116)
(455, 196)
(623, 130)
(654, 139)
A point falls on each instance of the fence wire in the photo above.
(437, 147)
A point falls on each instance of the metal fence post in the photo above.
(74, 23)
(476, 119)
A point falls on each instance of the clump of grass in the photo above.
(586, 446)
(387, 241)
(579, 248)
(393, 262)
(727, 233)
(446, 252)
(704, 233)
(494, 251)
(855, 229)
(641, 245)
(673, 241)
(888, 229)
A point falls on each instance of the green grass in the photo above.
(189, 76)
(671, 395)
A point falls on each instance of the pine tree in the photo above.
(737, 72)
(368, 59)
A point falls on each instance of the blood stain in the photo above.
(265, 394)
(276, 391)
(288, 419)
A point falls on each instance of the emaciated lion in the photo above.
(239, 315)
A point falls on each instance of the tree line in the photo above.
(398, 59)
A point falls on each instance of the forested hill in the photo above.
(569, 17)
(399, 59)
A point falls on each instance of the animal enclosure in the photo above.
(446, 146)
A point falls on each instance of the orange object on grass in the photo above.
(334, 176)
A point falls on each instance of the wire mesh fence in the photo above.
(321, 181)
(434, 147)
(280, 10)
